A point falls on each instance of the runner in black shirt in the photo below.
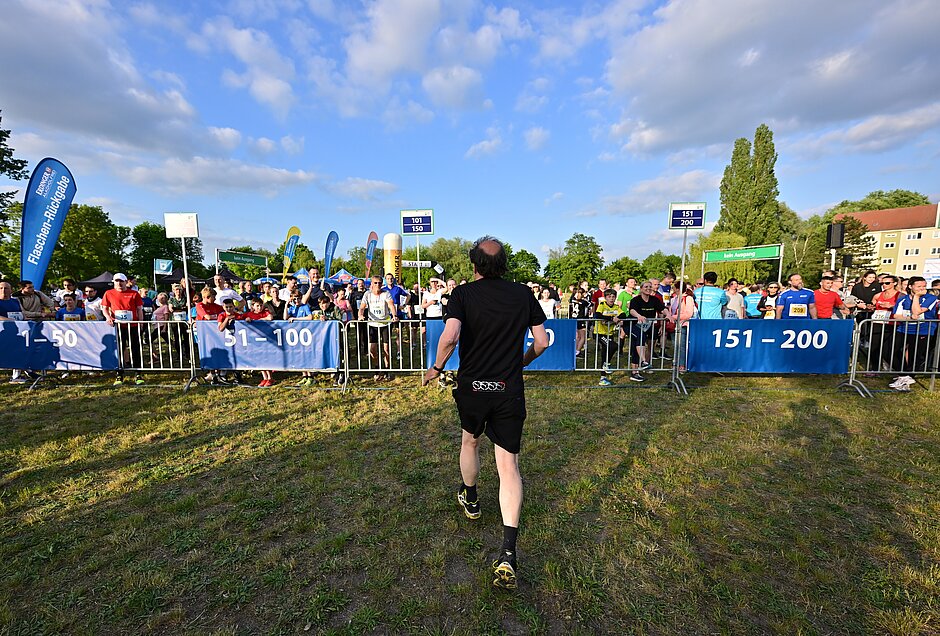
(489, 318)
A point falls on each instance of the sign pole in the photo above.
(780, 266)
(418, 252)
(677, 349)
(189, 296)
(216, 261)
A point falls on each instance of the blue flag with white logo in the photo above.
(50, 193)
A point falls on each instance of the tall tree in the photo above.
(13, 169)
(524, 267)
(581, 260)
(658, 264)
(620, 270)
(881, 200)
(749, 190)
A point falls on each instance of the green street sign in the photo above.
(743, 254)
(240, 258)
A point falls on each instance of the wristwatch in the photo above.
(437, 369)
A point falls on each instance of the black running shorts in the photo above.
(500, 418)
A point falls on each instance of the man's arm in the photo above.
(779, 309)
(446, 346)
(538, 346)
(812, 311)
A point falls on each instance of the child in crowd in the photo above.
(298, 310)
(258, 312)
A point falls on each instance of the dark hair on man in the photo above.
(290, 277)
(68, 280)
(733, 280)
(489, 265)
(710, 277)
(67, 296)
(25, 283)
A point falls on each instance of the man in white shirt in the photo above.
(224, 290)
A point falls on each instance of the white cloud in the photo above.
(267, 73)
(536, 137)
(556, 196)
(654, 195)
(532, 98)
(873, 134)
(488, 146)
(263, 145)
(226, 138)
(365, 189)
(851, 61)
(291, 145)
(457, 87)
(562, 35)
(201, 175)
(398, 115)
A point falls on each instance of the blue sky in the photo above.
(527, 120)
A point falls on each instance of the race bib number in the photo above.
(881, 315)
(148, 311)
(123, 314)
(179, 316)
(70, 317)
(798, 310)
(15, 315)
(729, 314)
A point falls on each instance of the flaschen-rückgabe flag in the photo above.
(50, 193)
(370, 251)
(331, 242)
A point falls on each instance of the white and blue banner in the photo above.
(50, 193)
(560, 355)
(162, 266)
(773, 347)
(63, 346)
(271, 345)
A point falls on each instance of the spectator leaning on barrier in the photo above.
(645, 308)
(880, 331)
(608, 315)
(10, 308)
(36, 305)
(709, 298)
(290, 284)
(224, 291)
(207, 309)
(70, 310)
(122, 306)
(915, 338)
(796, 302)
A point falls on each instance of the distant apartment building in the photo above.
(904, 237)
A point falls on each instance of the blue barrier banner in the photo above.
(63, 346)
(560, 355)
(272, 345)
(773, 347)
(48, 197)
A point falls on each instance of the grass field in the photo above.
(783, 508)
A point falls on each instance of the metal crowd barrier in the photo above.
(885, 348)
(380, 349)
(880, 348)
(157, 346)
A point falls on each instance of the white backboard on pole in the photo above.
(181, 224)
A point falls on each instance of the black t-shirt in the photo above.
(579, 308)
(494, 315)
(276, 311)
(866, 294)
(647, 308)
(355, 299)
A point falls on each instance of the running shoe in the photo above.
(605, 367)
(138, 380)
(470, 508)
(263, 383)
(504, 571)
(636, 376)
(604, 382)
(645, 365)
(118, 382)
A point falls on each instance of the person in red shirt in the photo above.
(826, 299)
(208, 309)
(881, 343)
(123, 305)
(258, 312)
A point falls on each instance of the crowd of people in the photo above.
(620, 315)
